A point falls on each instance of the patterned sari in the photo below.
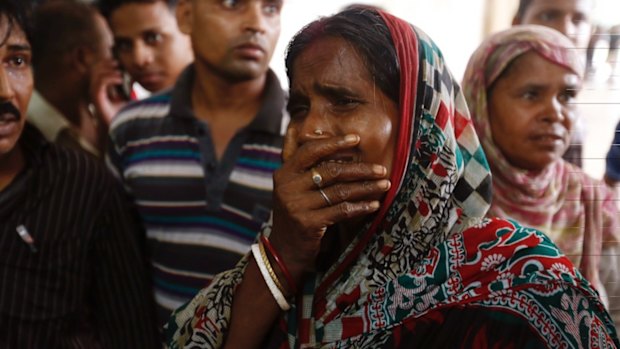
(428, 271)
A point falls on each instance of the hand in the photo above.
(104, 80)
(301, 215)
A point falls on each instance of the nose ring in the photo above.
(318, 132)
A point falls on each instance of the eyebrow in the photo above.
(328, 90)
(19, 47)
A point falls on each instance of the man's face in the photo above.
(570, 17)
(233, 39)
(16, 84)
(149, 44)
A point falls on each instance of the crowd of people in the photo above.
(381, 202)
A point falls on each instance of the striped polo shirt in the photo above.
(200, 214)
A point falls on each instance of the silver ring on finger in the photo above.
(325, 197)
(317, 179)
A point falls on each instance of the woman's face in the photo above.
(332, 91)
(531, 110)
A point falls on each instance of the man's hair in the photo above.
(523, 5)
(60, 27)
(367, 32)
(108, 6)
(17, 13)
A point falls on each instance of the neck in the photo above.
(10, 165)
(214, 97)
(71, 102)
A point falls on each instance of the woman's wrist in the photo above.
(279, 262)
(289, 258)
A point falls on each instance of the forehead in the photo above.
(11, 34)
(584, 6)
(134, 17)
(532, 67)
(330, 60)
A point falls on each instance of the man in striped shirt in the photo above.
(199, 159)
(72, 271)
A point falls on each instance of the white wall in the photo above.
(455, 25)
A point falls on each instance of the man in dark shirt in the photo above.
(72, 274)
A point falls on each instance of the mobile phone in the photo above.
(124, 89)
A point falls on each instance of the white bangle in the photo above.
(275, 291)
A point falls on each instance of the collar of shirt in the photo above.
(52, 124)
(271, 118)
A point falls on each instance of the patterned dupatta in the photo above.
(578, 213)
(427, 249)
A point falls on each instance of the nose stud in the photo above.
(318, 132)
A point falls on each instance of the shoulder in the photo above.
(74, 170)
(140, 115)
(589, 185)
(507, 246)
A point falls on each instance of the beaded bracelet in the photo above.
(289, 278)
(275, 292)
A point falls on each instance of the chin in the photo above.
(247, 72)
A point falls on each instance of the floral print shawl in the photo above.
(577, 212)
(429, 271)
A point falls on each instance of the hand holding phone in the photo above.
(109, 89)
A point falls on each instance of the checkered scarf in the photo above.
(442, 175)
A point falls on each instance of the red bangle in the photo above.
(283, 268)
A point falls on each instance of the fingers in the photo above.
(350, 192)
(320, 219)
(333, 172)
(310, 153)
(319, 208)
(290, 144)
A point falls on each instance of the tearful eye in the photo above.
(297, 111)
(346, 103)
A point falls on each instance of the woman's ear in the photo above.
(184, 16)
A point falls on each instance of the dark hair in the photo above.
(355, 5)
(367, 32)
(108, 6)
(523, 5)
(60, 27)
(17, 13)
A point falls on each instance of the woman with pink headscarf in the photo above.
(520, 86)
